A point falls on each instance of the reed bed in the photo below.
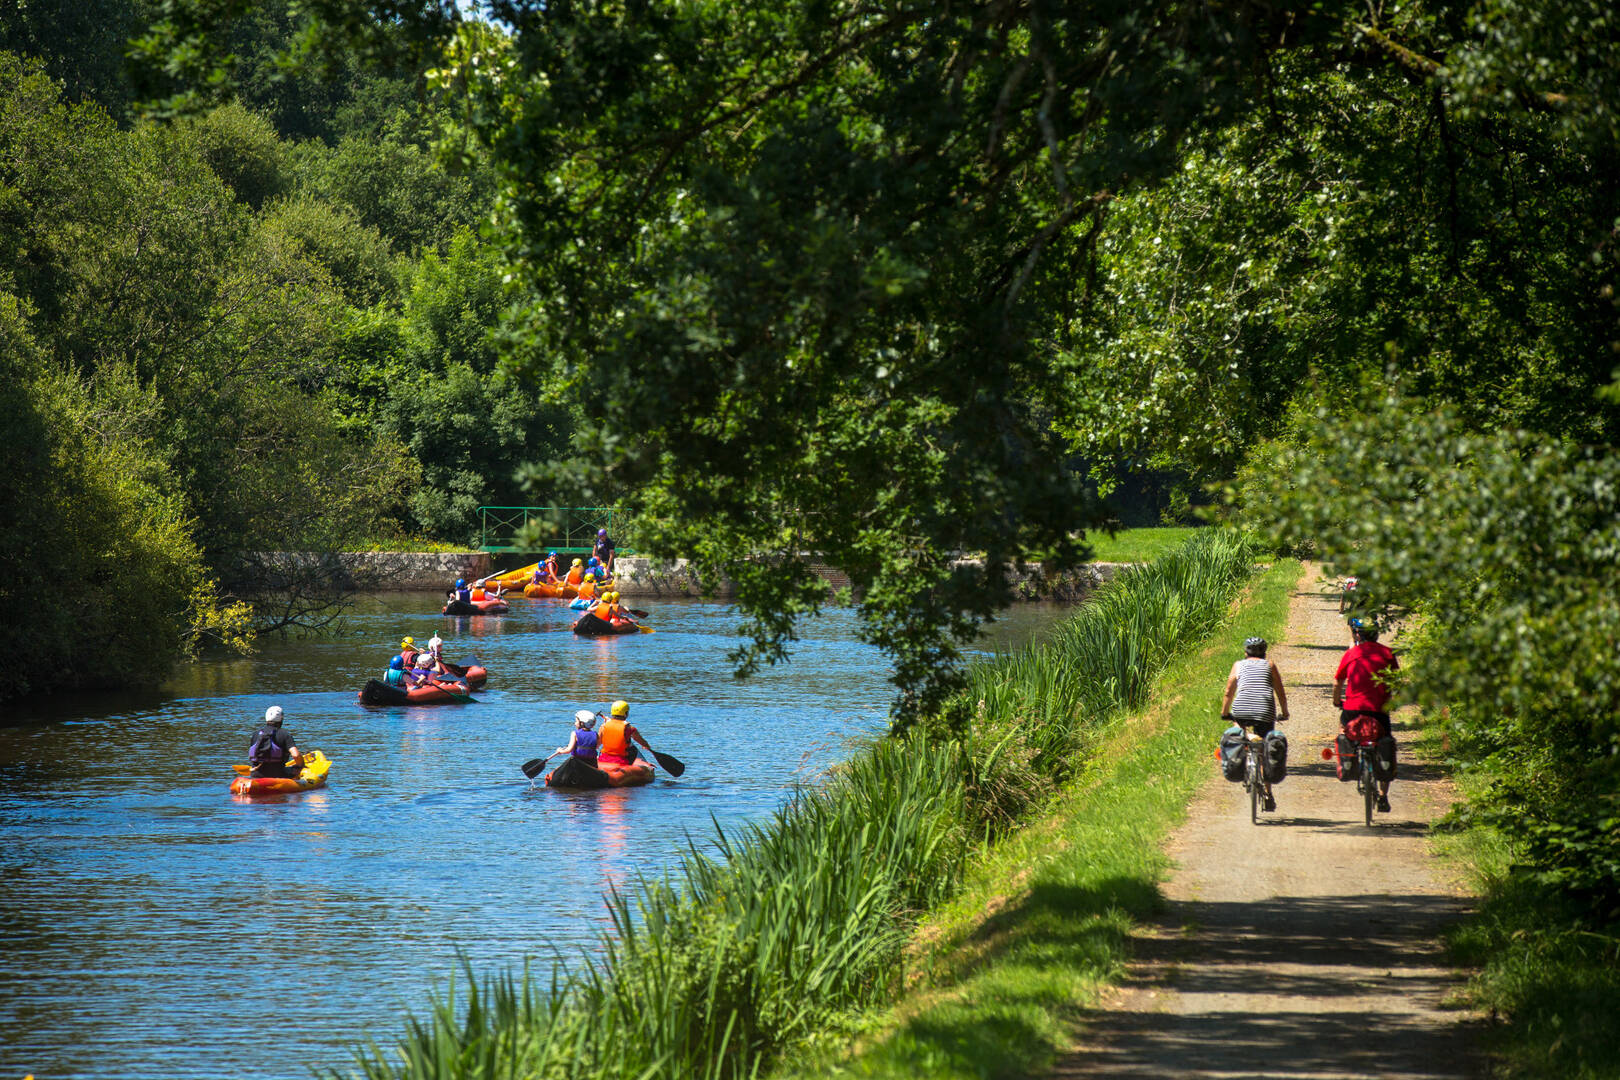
(739, 955)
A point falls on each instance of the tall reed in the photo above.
(735, 957)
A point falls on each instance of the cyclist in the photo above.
(1347, 594)
(1255, 697)
(1360, 687)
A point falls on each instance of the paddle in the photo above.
(534, 767)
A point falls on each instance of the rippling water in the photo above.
(155, 926)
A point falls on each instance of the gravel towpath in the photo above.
(1306, 946)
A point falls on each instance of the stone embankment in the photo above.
(637, 576)
(640, 577)
(359, 571)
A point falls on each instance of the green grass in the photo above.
(1137, 545)
(998, 995)
(1545, 971)
(802, 923)
(410, 544)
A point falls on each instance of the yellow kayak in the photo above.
(313, 775)
(513, 579)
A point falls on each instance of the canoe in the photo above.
(313, 775)
(377, 692)
(544, 589)
(475, 607)
(513, 579)
(590, 626)
(576, 775)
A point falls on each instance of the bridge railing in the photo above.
(547, 528)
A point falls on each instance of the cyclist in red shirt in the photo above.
(1359, 688)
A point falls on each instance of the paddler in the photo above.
(271, 751)
(616, 736)
(576, 573)
(407, 650)
(582, 741)
(603, 608)
(616, 613)
(461, 592)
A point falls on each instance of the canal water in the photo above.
(154, 925)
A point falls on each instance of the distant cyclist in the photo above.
(1347, 594)
(1360, 689)
(1255, 697)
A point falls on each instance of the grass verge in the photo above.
(1138, 545)
(999, 973)
(1546, 971)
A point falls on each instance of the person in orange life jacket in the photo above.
(604, 607)
(407, 650)
(1360, 687)
(604, 550)
(576, 573)
(617, 735)
(271, 751)
(616, 613)
(583, 742)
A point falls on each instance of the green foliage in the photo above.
(740, 956)
(242, 149)
(1506, 546)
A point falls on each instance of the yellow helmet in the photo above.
(406, 642)
(577, 562)
(614, 596)
(620, 710)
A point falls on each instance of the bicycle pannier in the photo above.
(1346, 761)
(1231, 752)
(1384, 759)
(1276, 757)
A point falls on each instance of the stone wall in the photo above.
(643, 578)
(365, 571)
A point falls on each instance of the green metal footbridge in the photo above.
(532, 530)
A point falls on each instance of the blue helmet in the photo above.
(461, 583)
(551, 554)
(397, 664)
(591, 561)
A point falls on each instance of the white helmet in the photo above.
(272, 715)
(584, 719)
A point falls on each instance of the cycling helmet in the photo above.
(620, 710)
(397, 664)
(1367, 631)
(1255, 646)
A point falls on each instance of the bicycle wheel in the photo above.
(1251, 780)
(1369, 785)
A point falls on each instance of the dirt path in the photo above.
(1306, 946)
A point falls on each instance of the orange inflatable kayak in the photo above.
(313, 775)
(576, 774)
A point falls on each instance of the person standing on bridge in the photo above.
(604, 550)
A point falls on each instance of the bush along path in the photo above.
(1306, 946)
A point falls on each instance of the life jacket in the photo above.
(394, 677)
(264, 749)
(587, 588)
(585, 743)
(603, 611)
(613, 740)
(464, 595)
(408, 657)
(576, 575)
(478, 594)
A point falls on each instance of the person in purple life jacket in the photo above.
(583, 741)
(271, 751)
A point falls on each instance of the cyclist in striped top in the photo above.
(1254, 695)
